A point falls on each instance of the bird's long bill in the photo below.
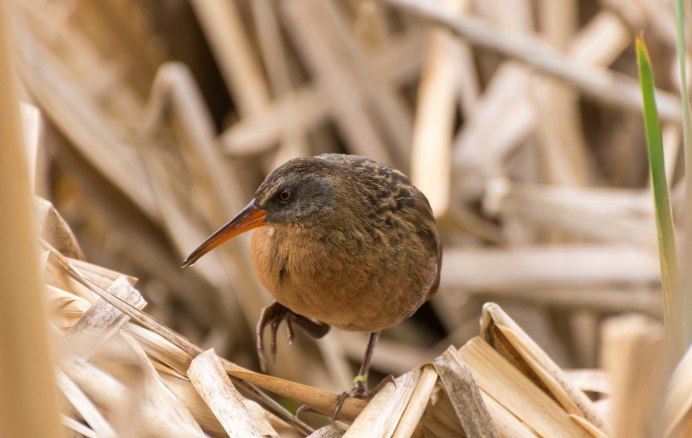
(250, 217)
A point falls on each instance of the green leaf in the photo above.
(664, 217)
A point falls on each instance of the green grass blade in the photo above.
(664, 217)
(686, 284)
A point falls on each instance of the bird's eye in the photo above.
(285, 195)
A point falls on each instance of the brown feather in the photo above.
(364, 258)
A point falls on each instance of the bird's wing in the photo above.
(428, 230)
(429, 235)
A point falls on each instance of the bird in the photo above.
(339, 240)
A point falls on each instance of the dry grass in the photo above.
(520, 121)
(121, 372)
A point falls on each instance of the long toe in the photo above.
(271, 316)
(305, 408)
(259, 333)
(315, 329)
(359, 390)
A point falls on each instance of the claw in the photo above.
(289, 331)
(273, 315)
(303, 409)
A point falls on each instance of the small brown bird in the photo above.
(345, 242)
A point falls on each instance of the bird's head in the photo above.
(299, 193)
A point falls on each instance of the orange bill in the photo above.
(250, 217)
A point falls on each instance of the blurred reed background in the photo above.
(160, 118)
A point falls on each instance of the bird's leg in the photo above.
(273, 315)
(360, 382)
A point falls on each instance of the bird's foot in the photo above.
(360, 390)
(273, 315)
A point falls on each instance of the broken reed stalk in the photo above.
(464, 394)
(28, 399)
(211, 381)
(633, 347)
